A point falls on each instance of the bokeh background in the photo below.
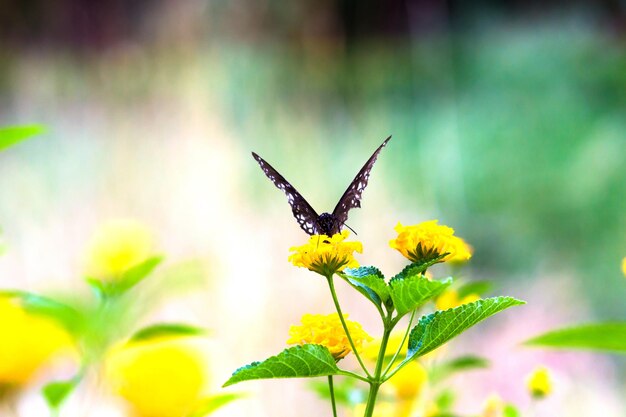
(508, 121)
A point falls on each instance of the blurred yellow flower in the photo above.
(159, 377)
(409, 382)
(326, 255)
(450, 299)
(326, 330)
(428, 240)
(29, 343)
(117, 246)
(370, 351)
(624, 266)
(539, 382)
(493, 406)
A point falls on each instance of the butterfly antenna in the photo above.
(355, 233)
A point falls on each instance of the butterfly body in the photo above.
(326, 223)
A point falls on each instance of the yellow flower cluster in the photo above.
(116, 247)
(326, 330)
(428, 240)
(539, 382)
(326, 255)
(161, 377)
(29, 343)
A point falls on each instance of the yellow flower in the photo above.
(428, 240)
(116, 247)
(29, 343)
(159, 377)
(624, 266)
(450, 299)
(371, 349)
(409, 382)
(326, 255)
(539, 382)
(328, 331)
(493, 406)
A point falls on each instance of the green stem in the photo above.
(331, 285)
(395, 356)
(377, 381)
(332, 394)
(353, 375)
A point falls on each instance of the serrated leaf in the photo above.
(610, 337)
(166, 330)
(211, 404)
(453, 366)
(56, 392)
(411, 291)
(303, 361)
(130, 278)
(11, 135)
(474, 287)
(369, 281)
(418, 267)
(439, 327)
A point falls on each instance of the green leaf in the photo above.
(609, 336)
(474, 287)
(14, 134)
(166, 330)
(67, 316)
(130, 278)
(303, 361)
(56, 392)
(511, 411)
(418, 267)
(369, 281)
(410, 291)
(439, 327)
(460, 364)
(211, 404)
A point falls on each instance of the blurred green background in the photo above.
(508, 121)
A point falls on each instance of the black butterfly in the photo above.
(325, 223)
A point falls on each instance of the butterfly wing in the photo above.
(352, 197)
(301, 209)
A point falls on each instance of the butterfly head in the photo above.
(328, 224)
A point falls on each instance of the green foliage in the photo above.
(116, 287)
(448, 368)
(410, 290)
(369, 281)
(417, 268)
(12, 135)
(297, 362)
(211, 404)
(437, 328)
(56, 392)
(69, 317)
(166, 330)
(596, 336)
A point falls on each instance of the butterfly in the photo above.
(326, 223)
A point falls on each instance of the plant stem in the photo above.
(393, 359)
(332, 394)
(331, 285)
(376, 381)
